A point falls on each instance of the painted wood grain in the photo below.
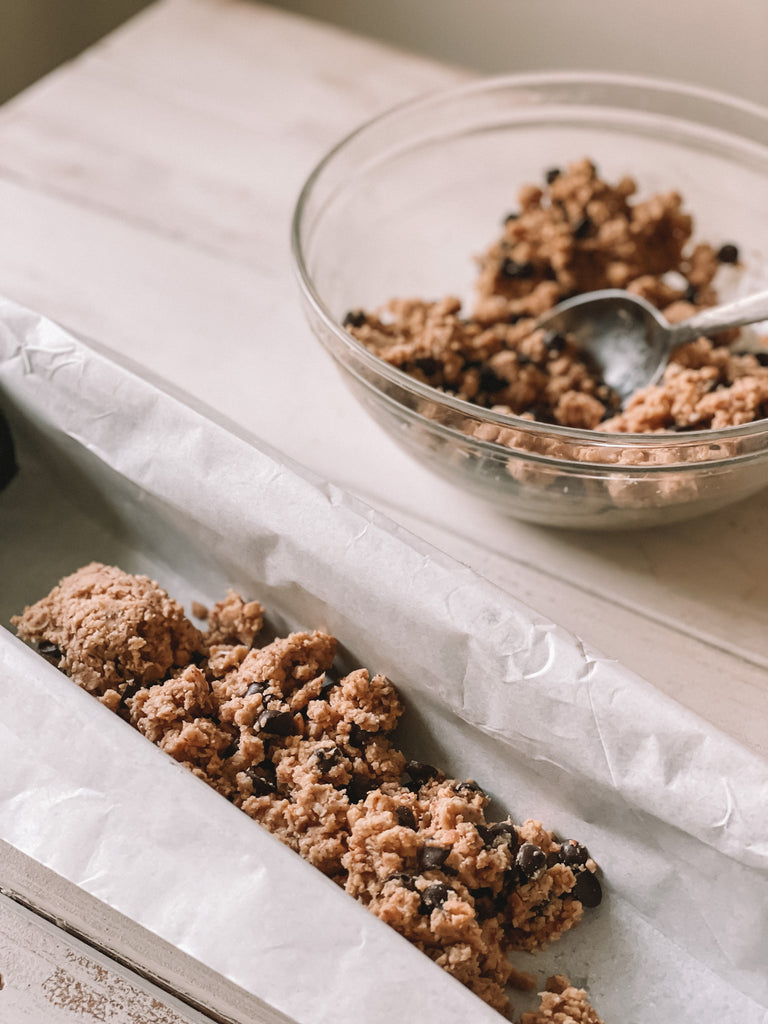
(145, 196)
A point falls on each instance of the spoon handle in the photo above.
(748, 310)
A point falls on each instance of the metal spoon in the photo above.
(630, 341)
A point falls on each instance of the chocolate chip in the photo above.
(263, 779)
(357, 737)
(433, 856)
(728, 253)
(552, 175)
(358, 788)
(49, 651)
(503, 833)
(691, 294)
(490, 381)
(255, 688)
(514, 215)
(406, 817)
(434, 896)
(485, 903)
(516, 270)
(587, 889)
(555, 341)
(418, 773)
(582, 227)
(761, 357)
(407, 881)
(276, 722)
(541, 413)
(470, 786)
(326, 757)
(354, 318)
(232, 749)
(428, 365)
(531, 860)
(572, 853)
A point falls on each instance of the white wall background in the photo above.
(36, 35)
(721, 44)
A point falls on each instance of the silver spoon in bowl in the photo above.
(628, 339)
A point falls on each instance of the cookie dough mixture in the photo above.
(562, 1003)
(309, 754)
(571, 234)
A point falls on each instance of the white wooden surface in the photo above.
(145, 198)
(48, 977)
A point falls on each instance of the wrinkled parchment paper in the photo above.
(116, 469)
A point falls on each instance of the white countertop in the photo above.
(146, 191)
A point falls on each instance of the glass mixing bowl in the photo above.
(401, 207)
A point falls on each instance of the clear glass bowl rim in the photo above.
(399, 378)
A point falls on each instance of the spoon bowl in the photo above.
(629, 341)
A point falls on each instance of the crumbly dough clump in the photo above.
(562, 1003)
(572, 234)
(106, 627)
(309, 754)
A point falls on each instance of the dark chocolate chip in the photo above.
(276, 722)
(516, 270)
(255, 688)
(514, 215)
(470, 786)
(232, 749)
(354, 318)
(587, 889)
(541, 413)
(490, 381)
(434, 896)
(407, 881)
(582, 227)
(761, 357)
(485, 903)
(263, 780)
(326, 757)
(433, 856)
(503, 833)
(358, 788)
(572, 853)
(418, 772)
(357, 737)
(555, 341)
(552, 175)
(406, 817)
(428, 365)
(49, 651)
(531, 860)
(691, 293)
(728, 253)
